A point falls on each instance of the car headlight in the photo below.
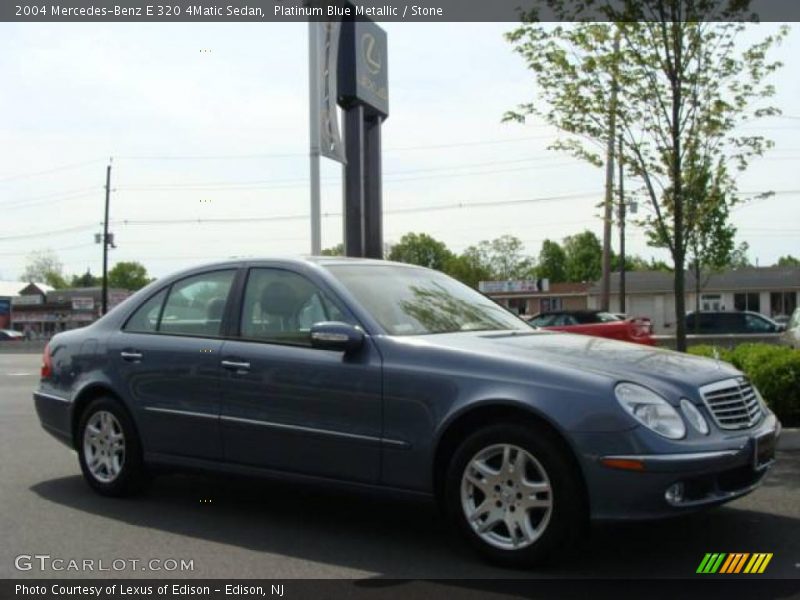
(651, 410)
(694, 416)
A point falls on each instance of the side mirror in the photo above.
(335, 335)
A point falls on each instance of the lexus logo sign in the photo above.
(371, 54)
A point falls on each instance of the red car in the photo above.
(597, 323)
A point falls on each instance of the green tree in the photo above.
(43, 266)
(552, 262)
(337, 250)
(84, 281)
(710, 243)
(502, 258)
(584, 256)
(739, 258)
(788, 261)
(128, 276)
(468, 268)
(421, 249)
(684, 87)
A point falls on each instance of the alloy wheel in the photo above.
(506, 496)
(104, 446)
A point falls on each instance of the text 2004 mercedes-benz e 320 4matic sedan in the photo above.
(389, 375)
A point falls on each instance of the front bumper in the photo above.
(723, 470)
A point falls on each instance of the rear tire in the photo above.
(512, 492)
(109, 449)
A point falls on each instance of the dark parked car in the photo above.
(711, 323)
(383, 375)
(9, 335)
(597, 323)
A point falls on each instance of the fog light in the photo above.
(674, 493)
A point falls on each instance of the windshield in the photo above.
(414, 301)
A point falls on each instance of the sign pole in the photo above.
(104, 299)
(364, 95)
(314, 129)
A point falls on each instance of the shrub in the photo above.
(774, 370)
(723, 354)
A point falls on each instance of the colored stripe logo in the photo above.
(734, 563)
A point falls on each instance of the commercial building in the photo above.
(771, 291)
(538, 297)
(9, 290)
(41, 313)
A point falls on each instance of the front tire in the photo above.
(514, 494)
(109, 450)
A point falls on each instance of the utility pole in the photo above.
(605, 299)
(105, 240)
(622, 211)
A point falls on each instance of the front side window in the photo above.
(756, 324)
(415, 301)
(196, 304)
(281, 306)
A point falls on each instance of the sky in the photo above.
(210, 121)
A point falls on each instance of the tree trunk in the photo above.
(679, 253)
(697, 288)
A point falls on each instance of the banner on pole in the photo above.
(330, 142)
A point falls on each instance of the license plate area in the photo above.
(764, 450)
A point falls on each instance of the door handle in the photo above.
(131, 356)
(239, 367)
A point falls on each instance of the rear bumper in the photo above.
(707, 477)
(55, 415)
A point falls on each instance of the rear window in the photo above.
(194, 306)
(145, 319)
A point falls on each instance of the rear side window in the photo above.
(145, 319)
(195, 305)
(733, 323)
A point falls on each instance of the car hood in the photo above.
(618, 360)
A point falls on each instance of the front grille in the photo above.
(733, 403)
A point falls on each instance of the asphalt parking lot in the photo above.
(244, 529)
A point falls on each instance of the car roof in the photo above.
(297, 261)
(569, 312)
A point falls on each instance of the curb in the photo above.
(790, 439)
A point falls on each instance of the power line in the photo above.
(49, 171)
(62, 249)
(255, 219)
(24, 236)
(53, 200)
(302, 181)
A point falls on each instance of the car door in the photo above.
(166, 360)
(291, 407)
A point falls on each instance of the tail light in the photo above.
(47, 362)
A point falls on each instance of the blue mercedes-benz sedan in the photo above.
(386, 375)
